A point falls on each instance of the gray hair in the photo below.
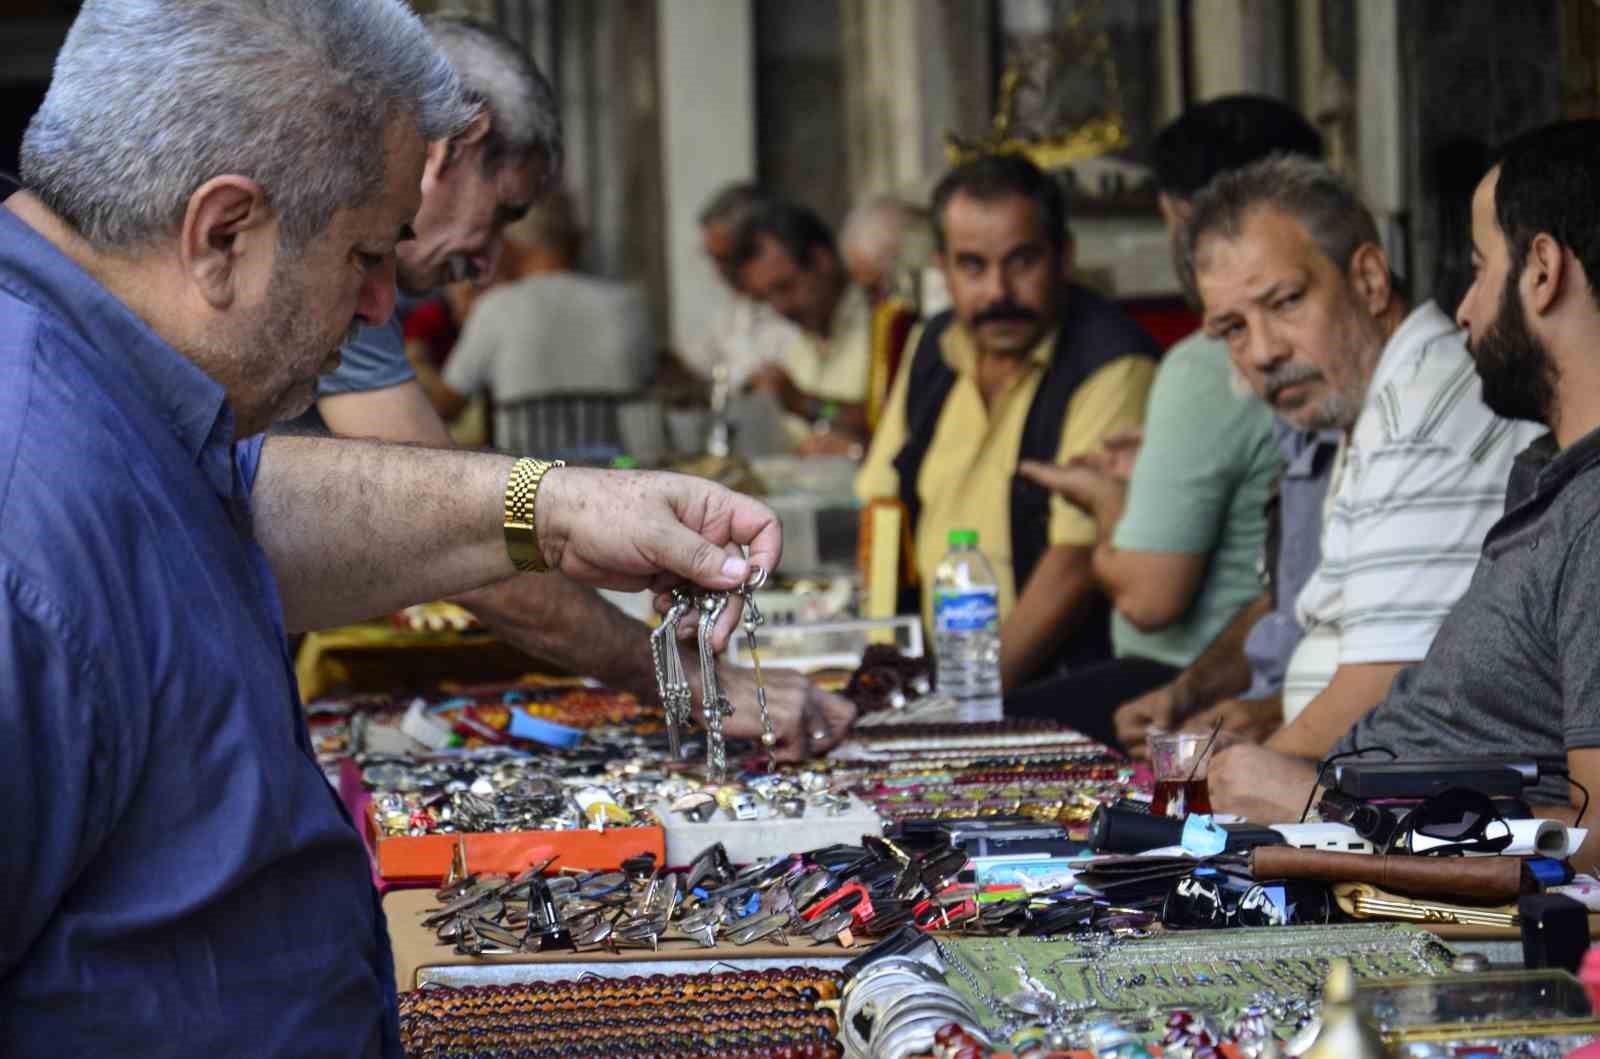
(876, 227)
(1307, 190)
(152, 98)
(525, 123)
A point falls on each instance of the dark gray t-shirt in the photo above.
(1515, 668)
(1307, 467)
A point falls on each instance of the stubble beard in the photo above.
(271, 361)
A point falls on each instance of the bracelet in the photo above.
(521, 529)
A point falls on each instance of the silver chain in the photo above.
(753, 620)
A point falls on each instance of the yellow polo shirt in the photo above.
(965, 479)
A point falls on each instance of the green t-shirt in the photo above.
(1199, 486)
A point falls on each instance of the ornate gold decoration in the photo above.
(1078, 43)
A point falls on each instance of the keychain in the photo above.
(753, 620)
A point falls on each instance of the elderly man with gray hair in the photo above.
(213, 195)
(1288, 264)
(475, 182)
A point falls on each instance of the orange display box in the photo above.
(426, 858)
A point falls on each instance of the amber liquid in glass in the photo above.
(1179, 798)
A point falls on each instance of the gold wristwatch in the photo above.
(522, 531)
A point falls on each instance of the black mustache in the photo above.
(1006, 310)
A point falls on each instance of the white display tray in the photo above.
(748, 841)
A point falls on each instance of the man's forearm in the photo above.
(1222, 670)
(569, 625)
(1048, 610)
(445, 400)
(359, 528)
(1353, 691)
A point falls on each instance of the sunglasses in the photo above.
(1454, 821)
(1208, 899)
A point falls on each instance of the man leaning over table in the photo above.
(474, 184)
(179, 878)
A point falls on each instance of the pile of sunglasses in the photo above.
(771, 1014)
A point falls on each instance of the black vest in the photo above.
(1093, 333)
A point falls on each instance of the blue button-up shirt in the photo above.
(176, 876)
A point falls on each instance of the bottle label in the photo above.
(965, 611)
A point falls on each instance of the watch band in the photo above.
(521, 529)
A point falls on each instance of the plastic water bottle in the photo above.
(966, 629)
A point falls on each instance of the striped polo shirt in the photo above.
(1421, 479)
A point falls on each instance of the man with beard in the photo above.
(1512, 666)
(474, 184)
(1026, 366)
(179, 878)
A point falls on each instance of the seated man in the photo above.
(1026, 366)
(784, 256)
(869, 242)
(872, 241)
(1510, 669)
(1181, 534)
(558, 351)
(743, 335)
(1288, 264)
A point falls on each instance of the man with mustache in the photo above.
(1288, 264)
(1026, 366)
(475, 184)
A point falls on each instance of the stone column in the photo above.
(707, 100)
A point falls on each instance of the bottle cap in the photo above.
(963, 538)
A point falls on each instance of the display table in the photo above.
(418, 955)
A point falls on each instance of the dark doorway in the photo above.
(18, 101)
